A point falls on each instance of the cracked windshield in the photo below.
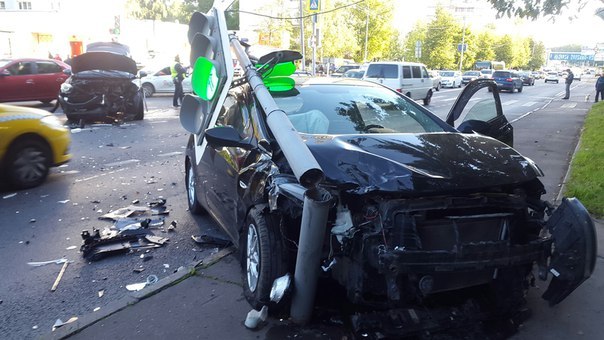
(272, 169)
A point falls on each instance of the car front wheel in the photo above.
(148, 89)
(428, 98)
(263, 256)
(27, 163)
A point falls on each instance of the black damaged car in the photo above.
(424, 211)
(101, 85)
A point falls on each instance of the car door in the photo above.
(220, 167)
(478, 109)
(163, 80)
(48, 79)
(17, 83)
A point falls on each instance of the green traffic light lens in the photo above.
(280, 70)
(205, 78)
(279, 84)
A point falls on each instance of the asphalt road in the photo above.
(114, 165)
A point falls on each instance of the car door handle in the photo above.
(29, 81)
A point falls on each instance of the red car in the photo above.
(31, 79)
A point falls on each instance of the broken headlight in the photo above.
(66, 88)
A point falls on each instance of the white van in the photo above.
(410, 79)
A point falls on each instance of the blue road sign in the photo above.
(570, 56)
(313, 5)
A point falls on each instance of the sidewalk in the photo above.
(209, 303)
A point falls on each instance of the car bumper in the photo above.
(91, 109)
(60, 143)
(508, 87)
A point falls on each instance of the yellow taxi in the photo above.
(31, 141)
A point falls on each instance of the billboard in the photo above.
(570, 56)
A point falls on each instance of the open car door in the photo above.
(478, 110)
(575, 249)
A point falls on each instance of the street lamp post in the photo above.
(366, 32)
(463, 43)
(302, 37)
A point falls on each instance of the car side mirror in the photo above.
(472, 126)
(142, 74)
(67, 71)
(5, 73)
(226, 136)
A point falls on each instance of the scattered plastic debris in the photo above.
(138, 270)
(43, 263)
(136, 201)
(63, 202)
(71, 248)
(172, 225)
(10, 195)
(59, 277)
(60, 323)
(254, 317)
(151, 279)
(35, 327)
(166, 265)
(146, 257)
(101, 293)
(33, 220)
(211, 241)
(96, 309)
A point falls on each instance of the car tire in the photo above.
(194, 207)
(459, 85)
(438, 87)
(428, 98)
(138, 108)
(148, 89)
(520, 88)
(27, 163)
(453, 85)
(263, 257)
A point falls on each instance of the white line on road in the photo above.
(175, 153)
(568, 105)
(122, 162)
(509, 102)
(529, 103)
(97, 176)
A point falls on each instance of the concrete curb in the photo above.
(113, 307)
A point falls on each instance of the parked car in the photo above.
(354, 73)
(101, 86)
(422, 210)
(486, 73)
(538, 74)
(527, 78)
(436, 80)
(31, 79)
(551, 77)
(508, 80)
(411, 79)
(451, 78)
(468, 76)
(339, 72)
(31, 141)
(160, 81)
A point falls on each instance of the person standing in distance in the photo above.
(178, 75)
(600, 87)
(569, 80)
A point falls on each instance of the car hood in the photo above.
(12, 112)
(103, 61)
(418, 163)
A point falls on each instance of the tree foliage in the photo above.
(533, 9)
(377, 17)
(441, 41)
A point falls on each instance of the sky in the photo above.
(584, 30)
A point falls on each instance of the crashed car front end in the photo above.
(101, 86)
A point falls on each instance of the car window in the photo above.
(406, 72)
(20, 68)
(45, 67)
(483, 109)
(417, 73)
(382, 71)
(341, 109)
(446, 74)
(499, 74)
(231, 114)
(425, 73)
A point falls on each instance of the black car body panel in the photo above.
(413, 215)
(101, 85)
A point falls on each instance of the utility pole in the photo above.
(302, 37)
(366, 32)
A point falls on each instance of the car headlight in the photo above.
(66, 88)
(52, 122)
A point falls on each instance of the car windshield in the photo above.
(447, 74)
(4, 62)
(346, 109)
(499, 74)
(486, 71)
(472, 73)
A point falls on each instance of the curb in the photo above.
(113, 307)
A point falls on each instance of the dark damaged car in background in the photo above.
(100, 86)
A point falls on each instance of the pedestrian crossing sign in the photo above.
(313, 5)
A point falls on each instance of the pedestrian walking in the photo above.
(600, 87)
(178, 75)
(569, 80)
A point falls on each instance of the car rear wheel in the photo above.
(428, 98)
(194, 206)
(520, 88)
(148, 89)
(27, 163)
(438, 87)
(263, 256)
(138, 109)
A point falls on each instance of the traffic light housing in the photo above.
(212, 68)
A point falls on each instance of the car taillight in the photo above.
(509, 79)
(399, 90)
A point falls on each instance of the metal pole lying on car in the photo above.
(316, 200)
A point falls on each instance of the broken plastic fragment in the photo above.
(63, 202)
(71, 248)
(210, 240)
(96, 309)
(60, 323)
(254, 317)
(151, 279)
(101, 292)
(43, 263)
(10, 195)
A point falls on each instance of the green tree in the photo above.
(521, 53)
(567, 48)
(440, 45)
(537, 59)
(378, 16)
(485, 43)
(504, 50)
(534, 8)
(418, 33)
(338, 40)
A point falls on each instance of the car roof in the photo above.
(396, 63)
(303, 81)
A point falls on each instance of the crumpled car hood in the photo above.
(103, 61)
(418, 163)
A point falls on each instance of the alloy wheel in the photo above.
(30, 165)
(253, 257)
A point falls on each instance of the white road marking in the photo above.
(129, 161)
(509, 102)
(175, 153)
(529, 103)
(101, 175)
(569, 105)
